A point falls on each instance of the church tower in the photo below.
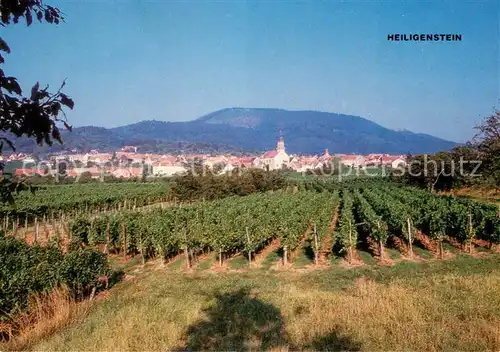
(281, 145)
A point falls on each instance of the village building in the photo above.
(352, 160)
(215, 160)
(393, 161)
(326, 157)
(275, 159)
(167, 168)
(127, 172)
(247, 162)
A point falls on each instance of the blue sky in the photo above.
(127, 61)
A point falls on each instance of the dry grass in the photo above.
(479, 193)
(449, 305)
(372, 316)
(46, 314)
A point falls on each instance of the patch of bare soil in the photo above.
(491, 194)
(327, 241)
(264, 253)
(102, 295)
(473, 252)
(427, 242)
(219, 269)
(356, 261)
(480, 243)
(122, 259)
(387, 260)
(477, 254)
(455, 243)
(399, 244)
(311, 267)
(373, 247)
(465, 248)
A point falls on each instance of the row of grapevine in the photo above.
(400, 217)
(227, 226)
(54, 200)
(371, 223)
(323, 221)
(248, 224)
(441, 216)
(346, 236)
(402, 211)
(334, 184)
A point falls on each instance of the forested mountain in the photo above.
(241, 129)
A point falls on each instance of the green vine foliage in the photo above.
(229, 225)
(27, 270)
(82, 198)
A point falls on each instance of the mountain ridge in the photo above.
(240, 129)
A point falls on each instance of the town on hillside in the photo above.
(129, 163)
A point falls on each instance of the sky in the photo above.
(128, 61)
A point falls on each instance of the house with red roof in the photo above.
(247, 162)
(167, 167)
(393, 161)
(275, 159)
(127, 172)
(352, 160)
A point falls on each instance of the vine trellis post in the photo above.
(410, 246)
(316, 245)
(249, 250)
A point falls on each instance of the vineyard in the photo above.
(317, 223)
(46, 204)
(227, 227)
(336, 219)
(365, 216)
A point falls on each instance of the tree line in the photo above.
(475, 163)
(201, 182)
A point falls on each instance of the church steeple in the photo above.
(281, 145)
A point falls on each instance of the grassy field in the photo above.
(432, 305)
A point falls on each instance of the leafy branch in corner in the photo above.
(40, 114)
